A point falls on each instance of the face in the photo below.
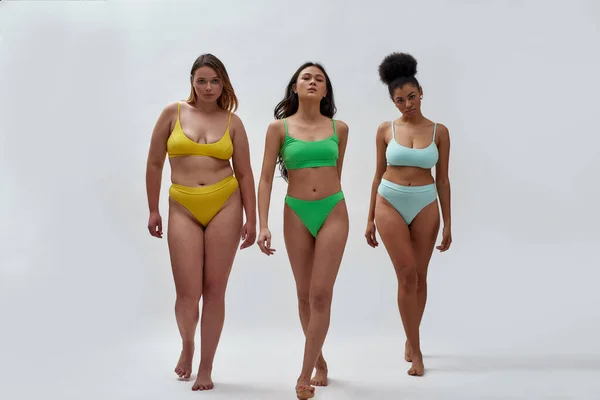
(207, 84)
(408, 99)
(311, 83)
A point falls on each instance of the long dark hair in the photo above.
(289, 105)
(398, 69)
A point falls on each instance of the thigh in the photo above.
(300, 247)
(424, 231)
(395, 235)
(329, 250)
(185, 238)
(222, 239)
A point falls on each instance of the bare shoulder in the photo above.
(342, 127)
(167, 118)
(170, 110)
(276, 130)
(236, 121)
(442, 132)
(383, 129)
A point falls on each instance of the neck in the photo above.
(309, 111)
(412, 119)
(206, 107)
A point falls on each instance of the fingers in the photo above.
(249, 240)
(265, 245)
(445, 245)
(155, 229)
(371, 238)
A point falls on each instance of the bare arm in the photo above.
(441, 170)
(156, 156)
(243, 169)
(380, 167)
(272, 145)
(342, 131)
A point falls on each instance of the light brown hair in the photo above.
(228, 100)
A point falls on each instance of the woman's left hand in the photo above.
(446, 239)
(248, 235)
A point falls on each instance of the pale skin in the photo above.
(410, 247)
(315, 261)
(201, 258)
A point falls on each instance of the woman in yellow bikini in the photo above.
(309, 146)
(207, 198)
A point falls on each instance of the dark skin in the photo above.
(201, 258)
(410, 247)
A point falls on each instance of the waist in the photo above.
(313, 184)
(199, 171)
(408, 176)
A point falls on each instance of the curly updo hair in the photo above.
(398, 69)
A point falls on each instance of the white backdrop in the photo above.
(87, 293)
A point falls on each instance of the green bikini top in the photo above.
(298, 153)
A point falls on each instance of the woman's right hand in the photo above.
(155, 225)
(264, 241)
(371, 234)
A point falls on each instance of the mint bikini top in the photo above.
(402, 156)
(298, 153)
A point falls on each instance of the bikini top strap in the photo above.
(334, 127)
(229, 120)
(393, 130)
(286, 126)
(434, 129)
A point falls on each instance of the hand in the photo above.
(371, 234)
(155, 225)
(248, 235)
(446, 240)
(264, 241)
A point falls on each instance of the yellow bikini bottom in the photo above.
(204, 202)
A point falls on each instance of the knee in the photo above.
(320, 300)
(188, 300)
(408, 279)
(304, 301)
(213, 293)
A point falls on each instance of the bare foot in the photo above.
(304, 392)
(203, 381)
(407, 352)
(320, 378)
(417, 368)
(184, 365)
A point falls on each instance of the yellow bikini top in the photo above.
(179, 145)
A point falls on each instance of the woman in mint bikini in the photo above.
(309, 145)
(404, 195)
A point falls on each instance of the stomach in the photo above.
(408, 176)
(195, 171)
(313, 183)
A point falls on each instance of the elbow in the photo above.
(442, 182)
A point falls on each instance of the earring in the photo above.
(421, 97)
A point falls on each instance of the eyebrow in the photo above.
(317, 74)
(399, 97)
(203, 77)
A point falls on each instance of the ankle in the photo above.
(321, 366)
(205, 368)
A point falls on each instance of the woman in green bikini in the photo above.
(309, 146)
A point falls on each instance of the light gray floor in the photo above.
(252, 366)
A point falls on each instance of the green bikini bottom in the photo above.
(313, 213)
